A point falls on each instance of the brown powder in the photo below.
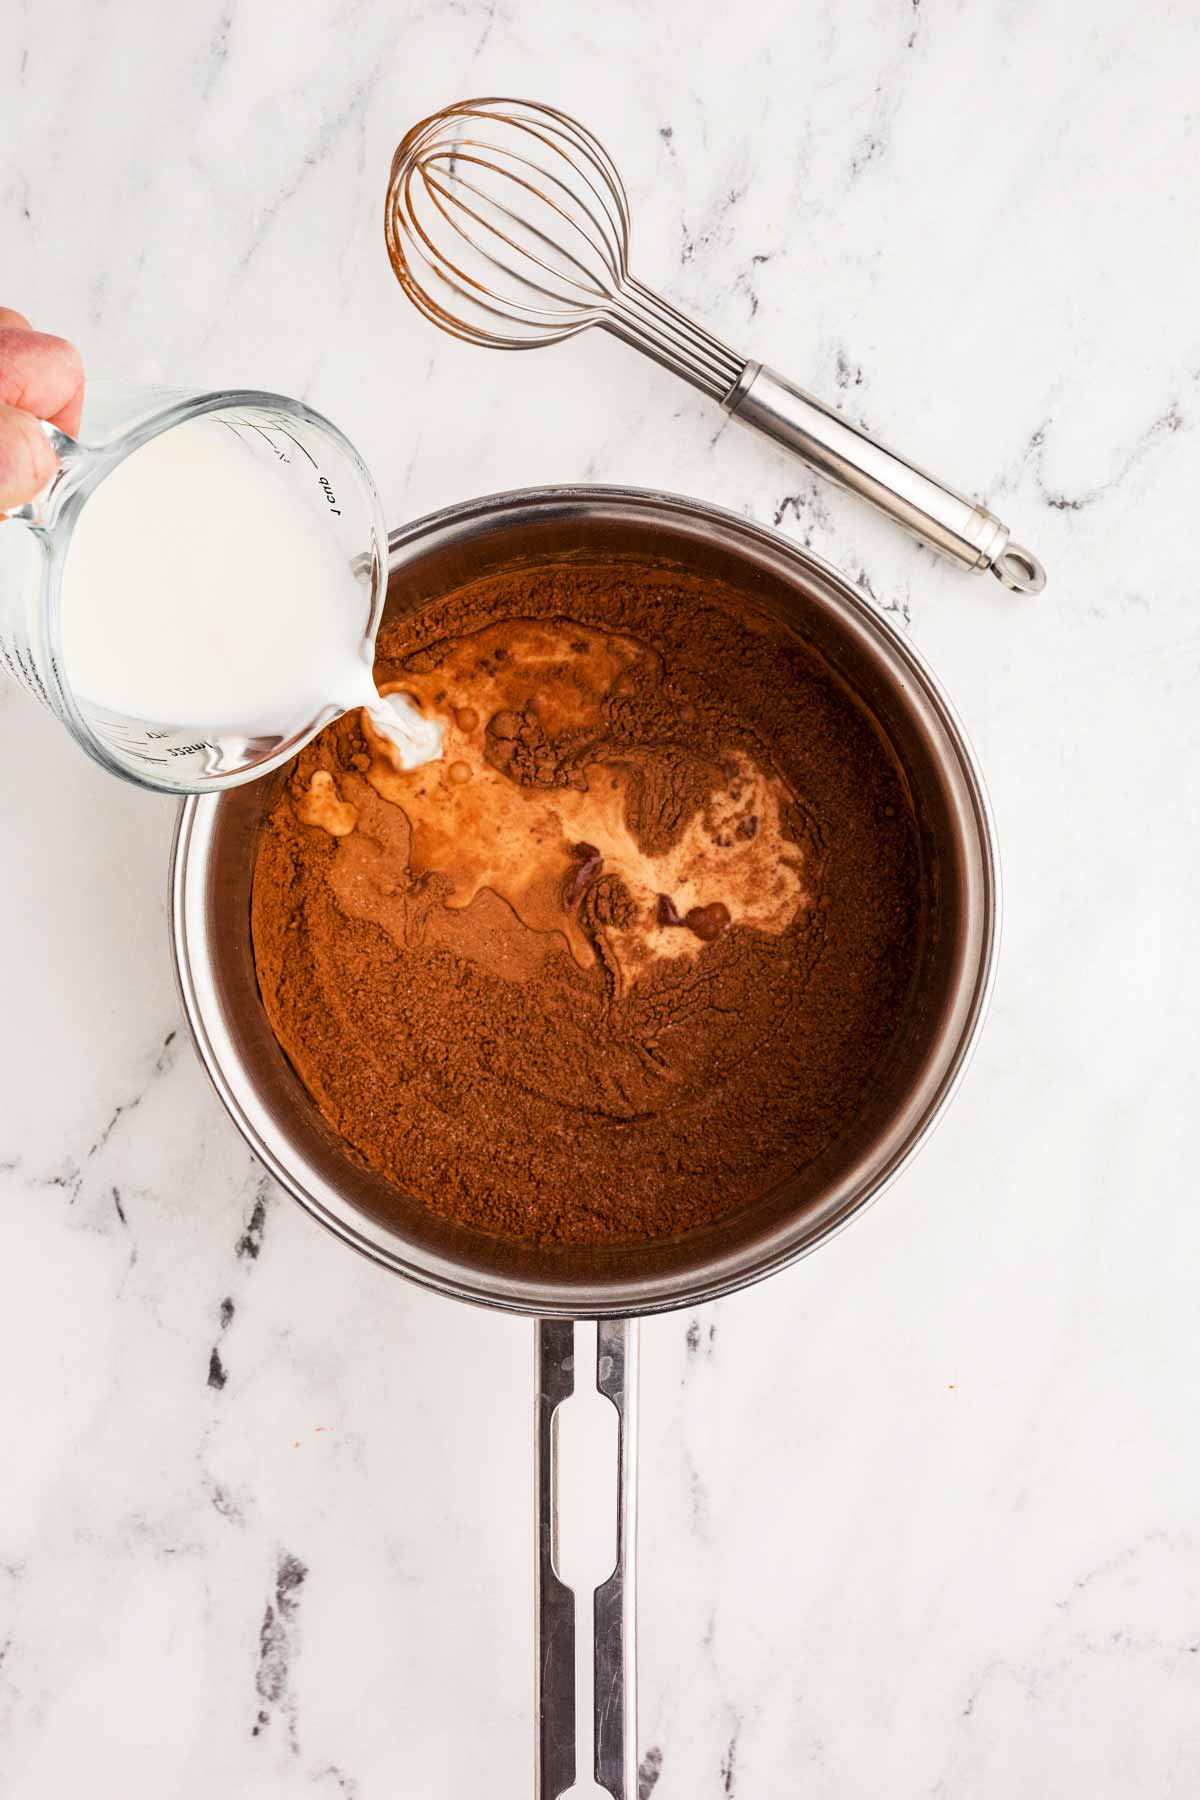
(634, 951)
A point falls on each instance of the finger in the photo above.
(10, 320)
(42, 375)
(26, 460)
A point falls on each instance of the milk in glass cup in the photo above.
(197, 592)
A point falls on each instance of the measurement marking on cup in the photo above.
(329, 495)
(267, 438)
(295, 440)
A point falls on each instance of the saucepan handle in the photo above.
(614, 1688)
(554, 1602)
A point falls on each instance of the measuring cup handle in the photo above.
(68, 451)
(614, 1687)
(950, 523)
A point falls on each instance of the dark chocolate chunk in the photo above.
(708, 922)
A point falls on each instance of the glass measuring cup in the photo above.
(323, 474)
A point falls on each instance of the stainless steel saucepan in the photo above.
(212, 868)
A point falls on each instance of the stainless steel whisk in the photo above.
(508, 225)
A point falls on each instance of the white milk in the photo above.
(199, 591)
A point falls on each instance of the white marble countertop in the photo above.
(922, 1515)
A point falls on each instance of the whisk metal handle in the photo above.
(944, 519)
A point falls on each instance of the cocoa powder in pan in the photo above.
(568, 1056)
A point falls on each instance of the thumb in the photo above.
(26, 460)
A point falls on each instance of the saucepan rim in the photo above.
(216, 1045)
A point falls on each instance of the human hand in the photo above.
(41, 377)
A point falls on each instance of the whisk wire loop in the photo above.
(508, 226)
(531, 230)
